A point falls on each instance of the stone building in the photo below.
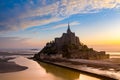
(67, 38)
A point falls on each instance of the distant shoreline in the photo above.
(9, 54)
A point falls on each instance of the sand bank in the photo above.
(6, 66)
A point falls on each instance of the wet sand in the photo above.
(96, 67)
(80, 68)
(102, 64)
(107, 64)
(6, 66)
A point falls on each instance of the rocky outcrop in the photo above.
(69, 46)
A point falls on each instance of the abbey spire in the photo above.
(68, 30)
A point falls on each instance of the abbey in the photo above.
(67, 39)
(69, 46)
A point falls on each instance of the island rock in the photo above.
(69, 46)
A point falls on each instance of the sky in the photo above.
(33, 23)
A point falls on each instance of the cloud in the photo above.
(27, 24)
(41, 11)
(65, 25)
(18, 42)
(86, 6)
(24, 14)
(12, 42)
(74, 23)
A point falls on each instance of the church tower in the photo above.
(68, 30)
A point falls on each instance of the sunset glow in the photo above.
(33, 23)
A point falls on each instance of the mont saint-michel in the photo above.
(69, 46)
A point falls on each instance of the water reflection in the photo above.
(34, 71)
(65, 74)
(42, 71)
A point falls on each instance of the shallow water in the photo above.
(43, 71)
(114, 54)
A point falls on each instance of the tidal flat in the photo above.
(7, 66)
